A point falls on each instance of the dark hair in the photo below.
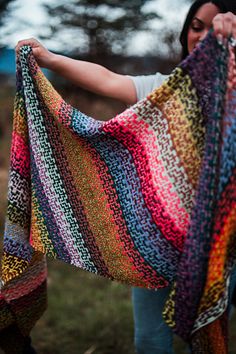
(223, 5)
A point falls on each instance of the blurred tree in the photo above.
(167, 37)
(3, 9)
(104, 27)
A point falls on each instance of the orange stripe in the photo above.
(97, 210)
(218, 255)
(39, 234)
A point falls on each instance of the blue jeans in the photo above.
(152, 335)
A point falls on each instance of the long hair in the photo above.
(223, 5)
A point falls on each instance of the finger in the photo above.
(223, 26)
(234, 27)
(20, 44)
(218, 30)
(31, 41)
(218, 25)
(228, 24)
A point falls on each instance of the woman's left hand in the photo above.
(224, 26)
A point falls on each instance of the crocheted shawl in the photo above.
(146, 198)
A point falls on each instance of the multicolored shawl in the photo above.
(147, 198)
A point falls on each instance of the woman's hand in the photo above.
(42, 55)
(224, 26)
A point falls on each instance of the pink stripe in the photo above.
(22, 288)
(158, 192)
(161, 184)
(20, 156)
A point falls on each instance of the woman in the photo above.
(152, 335)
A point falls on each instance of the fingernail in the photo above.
(220, 39)
(233, 41)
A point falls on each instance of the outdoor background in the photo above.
(88, 314)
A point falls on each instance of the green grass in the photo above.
(87, 314)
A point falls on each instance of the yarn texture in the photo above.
(147, 198)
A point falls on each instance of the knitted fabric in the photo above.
(147, 198)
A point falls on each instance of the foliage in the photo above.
(106, 26)
(3, 9)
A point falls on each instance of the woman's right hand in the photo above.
(42, 55)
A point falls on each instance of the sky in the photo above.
(28, 19)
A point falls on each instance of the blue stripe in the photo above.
(58, 244)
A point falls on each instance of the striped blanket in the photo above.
(147, 198)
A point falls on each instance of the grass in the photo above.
(86, 314)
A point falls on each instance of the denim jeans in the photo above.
(152, 335)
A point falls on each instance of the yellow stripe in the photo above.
(39, 234)
(97, 210)
(180, 125)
